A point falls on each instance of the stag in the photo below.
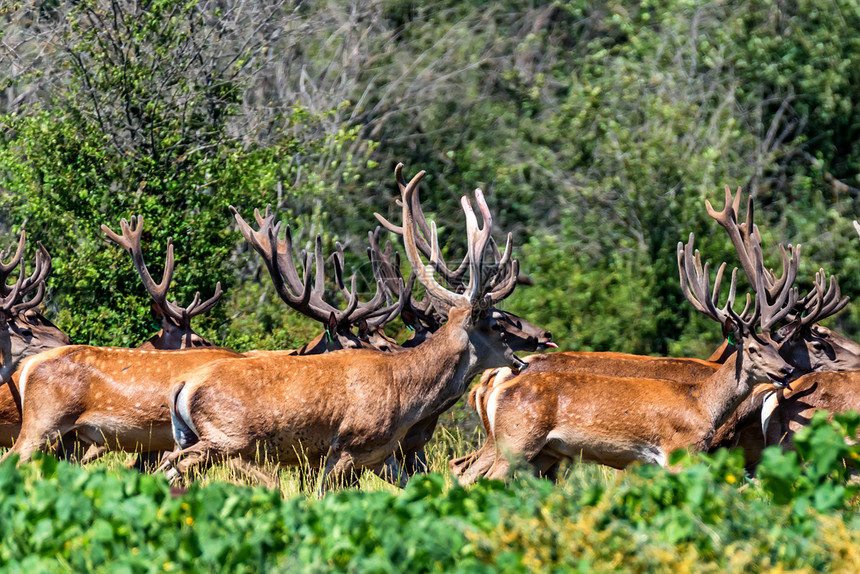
(176, 331)
(549, 416)
(349, 408)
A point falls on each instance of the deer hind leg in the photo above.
(518, 451)
(483, 461)
(177, 464)
(253, 472)
(392, 472)
(339, 471)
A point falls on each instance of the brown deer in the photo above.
(115, 398)
(743, 428)
(23, 331)
(429, 314)
(548, 416)
(349, 408)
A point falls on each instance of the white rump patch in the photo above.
(22, 380)
(768, 406)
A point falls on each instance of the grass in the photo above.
(457, 434)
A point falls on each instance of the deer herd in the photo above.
(354, 399)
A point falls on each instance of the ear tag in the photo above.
(328, 334)
(410, 328)
(155, 323)
(731, 340)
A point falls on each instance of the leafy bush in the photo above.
(59, 517)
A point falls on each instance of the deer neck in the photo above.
(745, 415)
(721, 393)
(436, 372)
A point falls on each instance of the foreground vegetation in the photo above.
(799, 515)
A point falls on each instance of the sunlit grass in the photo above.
(450, 440)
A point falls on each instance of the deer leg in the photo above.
(415, 462)
(177, 463)
(483, 460)
(93, 452)
(391, 472)
(545, 465)
(339, 470)
(30, 442)
(253, 472)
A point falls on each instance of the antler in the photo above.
(695, 286)
(742, 237)
(452, 278)
(299, 292)
(386, 266)
(130, 241)
(6, 268)
(376, 307)
(822, 301)
(483, 282)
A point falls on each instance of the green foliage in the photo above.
(60, 517)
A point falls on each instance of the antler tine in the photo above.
(785, 299)
(857, 227)
(423, 272)
(197, 308)
(6, 268)
(478, 238)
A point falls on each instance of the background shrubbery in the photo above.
(597, 128)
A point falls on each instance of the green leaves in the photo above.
(706, 515)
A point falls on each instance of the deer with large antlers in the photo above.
(23, 331)
(743, 428)
(176, 331)
(113, 398)
(548, 416)
(349, 408)
(117, 398)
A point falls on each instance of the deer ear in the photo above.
(409, 317)
(363, 328)
(731, 331)
(790, 331)
(331, 325)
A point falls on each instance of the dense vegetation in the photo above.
(799, 517)
(598, 129)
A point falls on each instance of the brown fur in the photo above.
(110, 396)
(546, 416)
(349, 408)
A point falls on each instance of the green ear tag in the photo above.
(410, 328)
(731, 339)
(328, 334)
